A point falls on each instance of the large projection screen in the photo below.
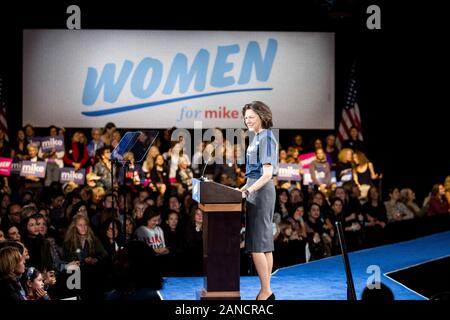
(160, 79)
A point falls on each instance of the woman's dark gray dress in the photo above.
(260, 204)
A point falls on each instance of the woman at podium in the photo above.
(259, 191)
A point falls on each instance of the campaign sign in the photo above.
(306, 159)
(289, 172)
(5, 166)
(35, 140)
(16, 166)
(307, 179)
(52, 143)
(33, 169)
(69, 174)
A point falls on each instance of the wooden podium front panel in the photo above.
(221, 251)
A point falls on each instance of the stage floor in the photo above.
(325, 279)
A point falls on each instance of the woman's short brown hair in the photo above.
(263, 112)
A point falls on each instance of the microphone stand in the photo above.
(351, 294)
(114, 164)
(126, 167)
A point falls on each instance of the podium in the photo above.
(222, 207)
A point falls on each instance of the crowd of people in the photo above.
(49, 229)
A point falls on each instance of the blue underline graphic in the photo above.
(157, 103)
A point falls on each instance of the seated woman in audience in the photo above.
(184, 174)
(408, 197)
(375, 217)
(194, 242)
(39, 248)
(12, 266)
(130, 227)
(319, 239)
(111, 235)
(395, 209)
(282, 206)
(151, 233)
(438, 202)
(447, 188)
(81, 246)
(173, 237)
(297, 223)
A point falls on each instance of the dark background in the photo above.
(402, 69)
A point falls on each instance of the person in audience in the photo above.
(33, 282)
(12, 266)
(96, 143)
(54, 160)
(408, 197)
(282, 205)
(107, 133)
(151, 233)
(184, 174)
(81, 245)
(38, 247)
(375, 217)
(33, 183)
(364, 173)
(331, 150)
(111, 236)
(320, 172)
(395, 209)
(344, 166)
(438, 201)
(297, 143)
(297, 222)
(194, 242)
(19, 149)
(104, 169)
(5, 147)
(379, 293)
(12, 232)
(76, 154)
(354, 142)
(447, 188)
(174, 239)
(319, 239)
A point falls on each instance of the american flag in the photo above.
(350, 114)
(3, 122)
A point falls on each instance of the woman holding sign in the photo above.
(259, 190)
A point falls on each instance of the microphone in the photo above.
(202, 177)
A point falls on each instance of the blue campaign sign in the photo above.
(33, 169)
(69, 174)
(52, 143)
(289, 172)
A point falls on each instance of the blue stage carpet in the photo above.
(325, 279)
